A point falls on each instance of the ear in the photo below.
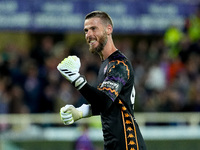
(109, 29)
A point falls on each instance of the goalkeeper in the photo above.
(113, 99)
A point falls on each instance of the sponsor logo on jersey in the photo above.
(110, 84)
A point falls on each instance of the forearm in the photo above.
(69, 68)
(99, 101)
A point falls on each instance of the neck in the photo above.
(108, 49)
(101, 56)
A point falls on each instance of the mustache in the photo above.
(90, 39)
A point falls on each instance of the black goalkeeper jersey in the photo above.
(114, 101)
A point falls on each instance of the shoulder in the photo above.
(117, 55)
(118, 58)
(118, 63)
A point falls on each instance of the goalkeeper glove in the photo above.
(69, 68)
(69, 114)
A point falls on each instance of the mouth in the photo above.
(92, 42)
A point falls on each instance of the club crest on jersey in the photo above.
(104, 71)
(110, 84)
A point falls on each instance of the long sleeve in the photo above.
(99, 101)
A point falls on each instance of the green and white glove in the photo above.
(69, 114)
(69, 68)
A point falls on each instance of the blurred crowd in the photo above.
(167, 72)
(30, 81)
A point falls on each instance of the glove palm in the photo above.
(69, 114)
(69, 68)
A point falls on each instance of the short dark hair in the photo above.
(102, 15)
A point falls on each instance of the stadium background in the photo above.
(160, 37)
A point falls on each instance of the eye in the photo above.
(93, 28)
(85, 30)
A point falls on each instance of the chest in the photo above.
(102, 72)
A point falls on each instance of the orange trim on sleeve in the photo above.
(118, 62)
(109, 89)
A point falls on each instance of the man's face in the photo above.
(95, 34)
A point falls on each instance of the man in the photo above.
(114, 97)
(84, 142)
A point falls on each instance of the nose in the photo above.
(88, 34)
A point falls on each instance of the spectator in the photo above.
(84, 142)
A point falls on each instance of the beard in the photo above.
(102, 42)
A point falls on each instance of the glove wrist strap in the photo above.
(79, 82)
(86, 110)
